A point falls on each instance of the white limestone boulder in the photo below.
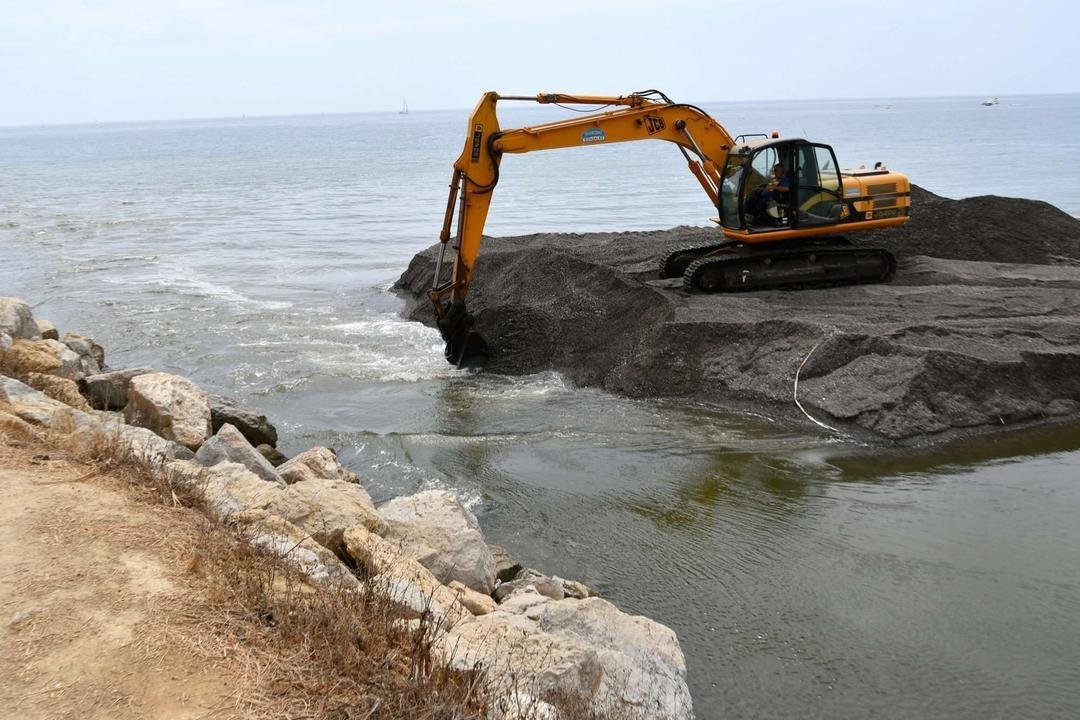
(523, 601)
(228, 445)
(532, 581)
(109, 390)
(318, 463)
(378, 557)
(58, 388)
(643, 664)
(17, 320)
(48, 357)
(36, 408)
(172, 406)
(444, 536)
(252, 424)
(474, 602)
(292, 545)
(47, 330)
(225, 488)
(521, 657)
(145, 445)
(326, 508)
(519, 705)
(506, 567)
(410, 602)
(91, 355)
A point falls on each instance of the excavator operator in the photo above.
(776, 189)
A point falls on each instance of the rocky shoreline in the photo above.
(539, 638)
(978, 332)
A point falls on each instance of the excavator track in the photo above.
(834, 262)
(679, 256)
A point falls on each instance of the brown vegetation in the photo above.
(240, 626)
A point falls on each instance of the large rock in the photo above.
(523, 601)
(38, 409)
(532, 581)
(506, 567)
(326, 509)
(292, 545)
(643, 664)
(378, 557)
(48, 357)
(444, 536)
(91, 355)
(172, 406)
(47, 329)
(109, 390)
(145, 445)
(252, 424)
(20, 428)
(474, 602)
(519, 705)
(274, 456)
(225, 488)
(408, 598)
(17, 320)
(318, 463)
(58, 388)
(984, 335)
(575, 589)
(522, 656)
(228, 445)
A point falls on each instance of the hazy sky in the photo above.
(70, 61)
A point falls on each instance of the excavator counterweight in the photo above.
(783, 204)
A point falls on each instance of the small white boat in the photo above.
(404, 107)
(990, 101)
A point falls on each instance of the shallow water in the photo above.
(805, 575)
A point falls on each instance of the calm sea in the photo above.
(806, 577)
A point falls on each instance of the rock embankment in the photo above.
(979, 330)
(537, 640)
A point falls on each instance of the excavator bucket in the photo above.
(465, 348)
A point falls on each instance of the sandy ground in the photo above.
(96, 602)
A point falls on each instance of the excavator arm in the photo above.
(641, 116)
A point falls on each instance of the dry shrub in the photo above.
(327, 652)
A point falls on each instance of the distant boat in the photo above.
(404, 107)
(990, 101)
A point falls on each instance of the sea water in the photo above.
(805, 576)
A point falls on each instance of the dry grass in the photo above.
(302, 651)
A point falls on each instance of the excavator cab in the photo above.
(791, 237)
(813, 196)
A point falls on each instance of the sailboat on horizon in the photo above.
(404, 107)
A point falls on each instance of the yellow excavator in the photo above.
(783, 203)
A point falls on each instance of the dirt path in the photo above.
(95, 600)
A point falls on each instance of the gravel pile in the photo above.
(979, 331)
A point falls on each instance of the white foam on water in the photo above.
(391, 349)
(184, 282)
(538, 385)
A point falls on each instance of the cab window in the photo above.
(729, 191)
(818, 187)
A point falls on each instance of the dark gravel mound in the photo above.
(983, 228)
(980, 330)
